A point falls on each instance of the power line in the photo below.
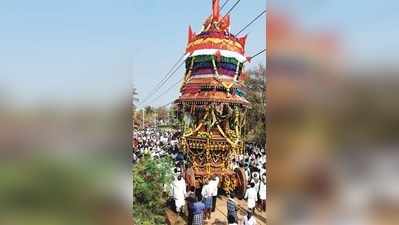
(173, 85)
(163, 80)
(250, 23)
(167, 104)
(159, 84)
(224, 4)
(169, 88)
(177, 68)
(169, 74)
(260, 52)
(231, 9)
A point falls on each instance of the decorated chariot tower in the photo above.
(212, 105)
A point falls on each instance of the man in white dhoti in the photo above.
(206, 193)
(262, 193)
(179, 193)
(252, 196)
(257, 182)
(249, 219)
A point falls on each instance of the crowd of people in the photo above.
(197, 205)
(157, 143)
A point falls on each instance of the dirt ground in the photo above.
(219, 217)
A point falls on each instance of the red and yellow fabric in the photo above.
(215, 43)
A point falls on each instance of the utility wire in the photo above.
(169, 88)
(163, 80)
(166, 104)
(250, 23)
(163, 83)
(173, 85)
(260, 52)
(231, 9)
(169, 74)
(224, 4)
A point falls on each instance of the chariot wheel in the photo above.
(242, 183)
(190, 177)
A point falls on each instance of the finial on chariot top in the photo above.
(216, 9)
(216, 22)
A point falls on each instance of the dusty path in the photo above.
(219, 217)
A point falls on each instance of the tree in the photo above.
(149, 110)
(256, 94)
(162, 113)
(150, 177)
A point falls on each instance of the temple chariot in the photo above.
(212, 107)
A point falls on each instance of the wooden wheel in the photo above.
(241, 187)
(190, 177)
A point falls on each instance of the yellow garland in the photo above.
(237, 132)
(206, 115)
(233, 144)
(188, 75)
(213, 118)
(188, 133)
(237, 121)
(214, 66)
(190, 70)
(237, 68)
(222, 82)
(191, 132)
(205, 134)
(227, 88)
(195, 166)
(208, 166)
(199, 127)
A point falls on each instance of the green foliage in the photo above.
(162, 113)
(256, 116)
(149, 110)
(150, 177)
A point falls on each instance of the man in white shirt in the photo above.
(249, 219)
(252, 196)
(262, 193)
(257, 182)
(206, 193)
(179, 193)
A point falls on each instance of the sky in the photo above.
(95, 50)
(163, 37)
(76, 51)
